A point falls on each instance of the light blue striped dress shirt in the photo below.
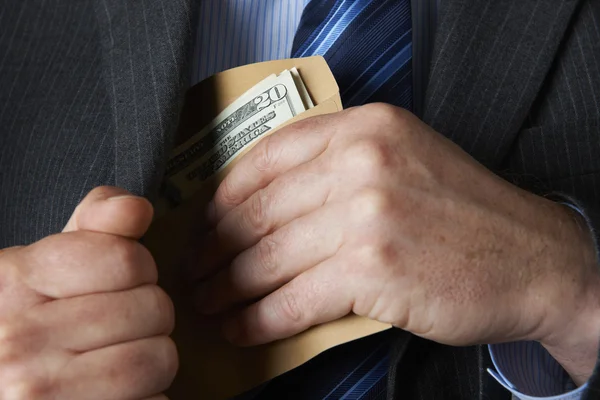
(232, 33)
(239, 32)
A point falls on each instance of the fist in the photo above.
(81, 316)
(370, 211)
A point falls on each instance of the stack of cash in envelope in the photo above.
(267, 105)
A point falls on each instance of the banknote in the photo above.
(308, 103)
(264, 107)
(201, 143)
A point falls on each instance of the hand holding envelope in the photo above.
(211, 367)
(368, 211)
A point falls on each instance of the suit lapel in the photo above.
(490, 60)
(145, 59)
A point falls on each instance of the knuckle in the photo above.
(21, 384)
(14, 339)
(266, 251)
(377, 254)
(21, 390)
(15, 268)
(154, 364)
(372, 204)
(380, 110)
(226, 194)
(8, 334)
(169, 361)
(369, 157)
(134, 262)
(165, 309)
(289, 308)
(46, 248)
(267, 154)
(171, 358)
(125, 251)
(257, 215)
(385, 112)
(389, 117)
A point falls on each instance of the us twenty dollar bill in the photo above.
(261, 109)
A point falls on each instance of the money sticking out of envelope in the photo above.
(223, 117)
(269, 104)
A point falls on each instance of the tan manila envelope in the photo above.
(211, 368)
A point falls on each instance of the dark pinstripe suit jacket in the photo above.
(90, 92)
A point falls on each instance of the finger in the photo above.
(114, 211)
(276, 259)
(288, 197)
(319, 295)
(132, 370)
(78, 263)
(90, 322)
(288, 148)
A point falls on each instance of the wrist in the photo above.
(574, 338)
(576, 346)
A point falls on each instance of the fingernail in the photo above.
(123, 196)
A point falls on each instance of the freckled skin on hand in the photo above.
(405, 228)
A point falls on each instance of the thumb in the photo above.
(113, 211)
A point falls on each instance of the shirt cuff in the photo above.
(529, 372)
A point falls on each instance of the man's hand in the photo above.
(370, 211)
(81, 316)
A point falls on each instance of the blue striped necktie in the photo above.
(368, 46)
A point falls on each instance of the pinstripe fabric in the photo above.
(239, 32)
(559, 147)
(145, 47)
(51, 92)
(89, 95)
(481, 102)
(426, 370)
